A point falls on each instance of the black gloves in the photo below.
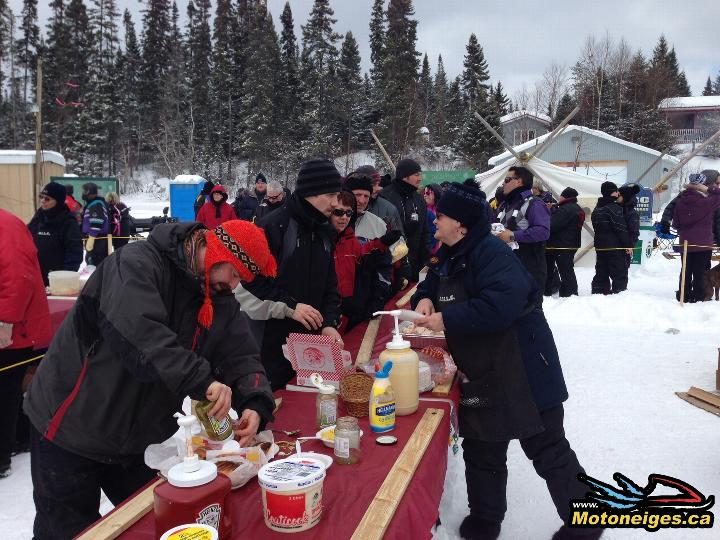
(390, 237)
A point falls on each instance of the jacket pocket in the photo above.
(483, 393)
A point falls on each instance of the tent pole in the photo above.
(561, 126)
(384, 152)
(684, 161)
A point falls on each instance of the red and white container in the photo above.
(292, 491)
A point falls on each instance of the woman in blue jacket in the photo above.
(480, 294)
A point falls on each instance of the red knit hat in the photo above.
(241, 244)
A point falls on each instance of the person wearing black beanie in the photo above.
(609, 189)
(566, 223)
(403, 194)
(611, 242)
(304, 296)
(483, 298)
(56, 232)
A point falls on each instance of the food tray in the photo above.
(420, 341)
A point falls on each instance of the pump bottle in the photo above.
(406, 367)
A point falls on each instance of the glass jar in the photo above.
(326, 406)
(347, 441)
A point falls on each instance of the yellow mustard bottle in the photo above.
(382, 402)
(405, 373)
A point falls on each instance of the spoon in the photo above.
(291, 433)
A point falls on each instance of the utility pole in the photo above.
(38, 125)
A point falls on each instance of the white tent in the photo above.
(555, 179)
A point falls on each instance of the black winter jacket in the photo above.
(499, 340)
(566, 223)
(58, 240)
(409, 204)
(121, 363)
(609, 224)
(246, 205)
(632, 220)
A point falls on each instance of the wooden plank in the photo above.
(383, 506)
(442, 390)
(699, 403)
(406, 298)
(704, 395)
(368, 342)
(113, 525)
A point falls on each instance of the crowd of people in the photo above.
(164, 320)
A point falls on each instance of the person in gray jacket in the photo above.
(155, 324)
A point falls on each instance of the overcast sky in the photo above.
(521, 38)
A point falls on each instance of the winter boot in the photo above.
(566, 533)
(5, 472)
(475, 528)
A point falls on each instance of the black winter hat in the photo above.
(55, 191)
(569, 193)
(711, 176)
(90, 188)
(359, 181)
(628, 191)
(207, 187)
(317, 177)
(463, 203)
(406, 167)
(608, 188)
(260, 178)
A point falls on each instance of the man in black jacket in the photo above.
(247, 202)
(143, 334)
(628, 200)
(403, 193)
(201, 199)
(611, 242)
(304, 296)
(566, 222)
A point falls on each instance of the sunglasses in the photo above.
(340, 213)
(510, 179)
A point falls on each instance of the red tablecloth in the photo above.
(348, 489)
(59, 308)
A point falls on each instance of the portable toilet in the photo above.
(184, 189)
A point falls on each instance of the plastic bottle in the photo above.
(382, 402)
(326, 403)
(217, 429)
(194, 493)
(406, 369)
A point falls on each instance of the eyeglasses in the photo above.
(274, 198)
(510, 179)
(340, 213)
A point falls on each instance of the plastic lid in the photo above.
(384, 373)
(191, 531)
(317, 380)
(192, 472)
(291, 474)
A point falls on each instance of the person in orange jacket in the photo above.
(24, 322)
(217, 210)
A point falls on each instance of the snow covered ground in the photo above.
(623, 365)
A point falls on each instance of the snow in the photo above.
(517, 114)
(585, 131)
(187, 179)
(27, 157)
(623, 357)
(691, 102)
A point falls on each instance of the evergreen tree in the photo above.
(350, 95)
(319, 77)
(716, 85)
(426, 96)
(259, 141)
(55, 74)
(199, 53)
(502, 102)
(400, 71)
(565, 107)
(439, 127)
(377, 58)
(475, 143)
(28, 47)
(5, 120)
(288, 123)
(128, 67)
(455, 111)
(708, 90)
(475, 75)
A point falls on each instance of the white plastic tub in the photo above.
(64, 283)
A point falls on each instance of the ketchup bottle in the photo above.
(194, 493)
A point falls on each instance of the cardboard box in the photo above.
(310, 353)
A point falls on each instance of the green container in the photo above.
(105, 184)
(436, 177)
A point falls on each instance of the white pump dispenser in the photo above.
(398, 342)
(192, 471)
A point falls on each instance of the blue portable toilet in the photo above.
(184, 189)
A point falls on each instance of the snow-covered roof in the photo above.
(518, 114)
(187, 179)
(27, 157)
(587, 131)
(692, 102)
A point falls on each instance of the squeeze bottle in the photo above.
(194, 492)
(405, 369)
(382, 402)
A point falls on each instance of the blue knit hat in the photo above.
(463, 203)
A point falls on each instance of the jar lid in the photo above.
(192, 473)
(291, 474)
(196, 531)
(386, 440)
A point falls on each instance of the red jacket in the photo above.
(23, 301)
(348, 252)
(75, 207)
(212, 214)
